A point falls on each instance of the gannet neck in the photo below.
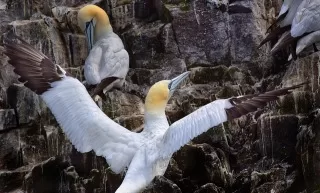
(154, 116)
(100, 18)
(155, 104)
(155, 122)
(103, 25)
(157, 98)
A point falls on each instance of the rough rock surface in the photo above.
(273, 150)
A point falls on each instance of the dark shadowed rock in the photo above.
(277, 136)
(7, 119)
(11, 180)
(204, 165)
(162, 185)
(210, 188)
(47, 176)
(308, 149)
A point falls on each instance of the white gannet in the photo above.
(146, 154)
(306, 20)
(284, 8)
(307, 41)
(108, 62)
(284, 20)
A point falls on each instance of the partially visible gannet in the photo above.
(146, 154)
(108, 62)
(284, 20)
(306, 20)
(307, 41)
(285, 8)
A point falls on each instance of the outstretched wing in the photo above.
(213, 114)
(87, 127)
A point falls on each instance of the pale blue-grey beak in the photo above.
(174, 83)
(89, 31)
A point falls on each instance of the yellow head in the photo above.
(159, 94)
(94, 21)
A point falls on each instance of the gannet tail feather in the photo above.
(98, 90)
(87, 127)
(277, 21)
(249, 103)
(284, 41)
(213, 114)
(274, 34)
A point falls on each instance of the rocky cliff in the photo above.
(276, 149)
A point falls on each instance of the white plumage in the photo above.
(291, 7)
(194, 124)
(87, 127)
(285, 7)
(146, 154)
(108, 58)
(307, 18)
(302, 18)
(284, 20)
(306, 41)
(108, 62)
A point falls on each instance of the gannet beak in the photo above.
(89, 31)
(174, 83)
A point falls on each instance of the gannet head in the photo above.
(94, 21)
(159, 94)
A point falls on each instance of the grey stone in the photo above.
(7, 119)
(162, 185)
(210, 188)
(277, 136)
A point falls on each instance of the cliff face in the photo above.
(273, 150)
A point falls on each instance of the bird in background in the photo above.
(305, 22)
(303, 29)
(108, 62)
(146, 154)
(283, 21)
(306, 41)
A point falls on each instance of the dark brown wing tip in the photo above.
(285, 41)
(277, 21)
(250, 103)
(33, 67)
(274, 34)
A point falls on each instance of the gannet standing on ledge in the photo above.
(146, 154)
(108, 62)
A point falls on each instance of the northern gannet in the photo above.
(284, 8)
(146, 154)
(108, 62)
(306, 21)
(283, 21)
(307, 41)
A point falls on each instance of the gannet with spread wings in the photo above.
(146, 154)
(108, 62)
